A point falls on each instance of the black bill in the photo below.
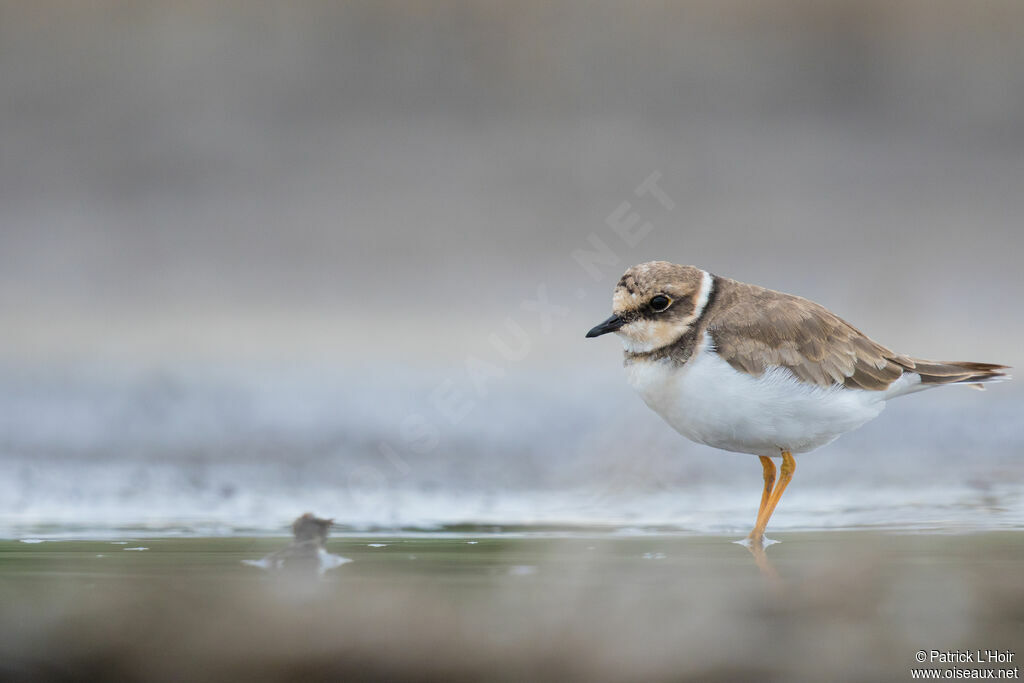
(610, 325)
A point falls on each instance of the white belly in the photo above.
(709, 402)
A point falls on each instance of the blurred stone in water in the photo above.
(307, 553)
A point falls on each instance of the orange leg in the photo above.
(768, 503)
(768, 465)
(769, 481)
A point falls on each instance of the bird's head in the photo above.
(654, 305)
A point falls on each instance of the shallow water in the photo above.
(851, 605)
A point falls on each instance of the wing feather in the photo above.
(756, 329)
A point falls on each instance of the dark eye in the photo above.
(660, 302)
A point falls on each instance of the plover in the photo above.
(751, 370)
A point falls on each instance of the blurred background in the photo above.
(260, 258)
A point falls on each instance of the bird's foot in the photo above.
(752, 541)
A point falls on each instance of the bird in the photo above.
(747, 369)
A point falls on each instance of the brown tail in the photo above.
(956, 372)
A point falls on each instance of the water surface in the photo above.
(594, 607)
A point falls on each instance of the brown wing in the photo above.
(755, 329)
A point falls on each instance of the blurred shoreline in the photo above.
(208, 447)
